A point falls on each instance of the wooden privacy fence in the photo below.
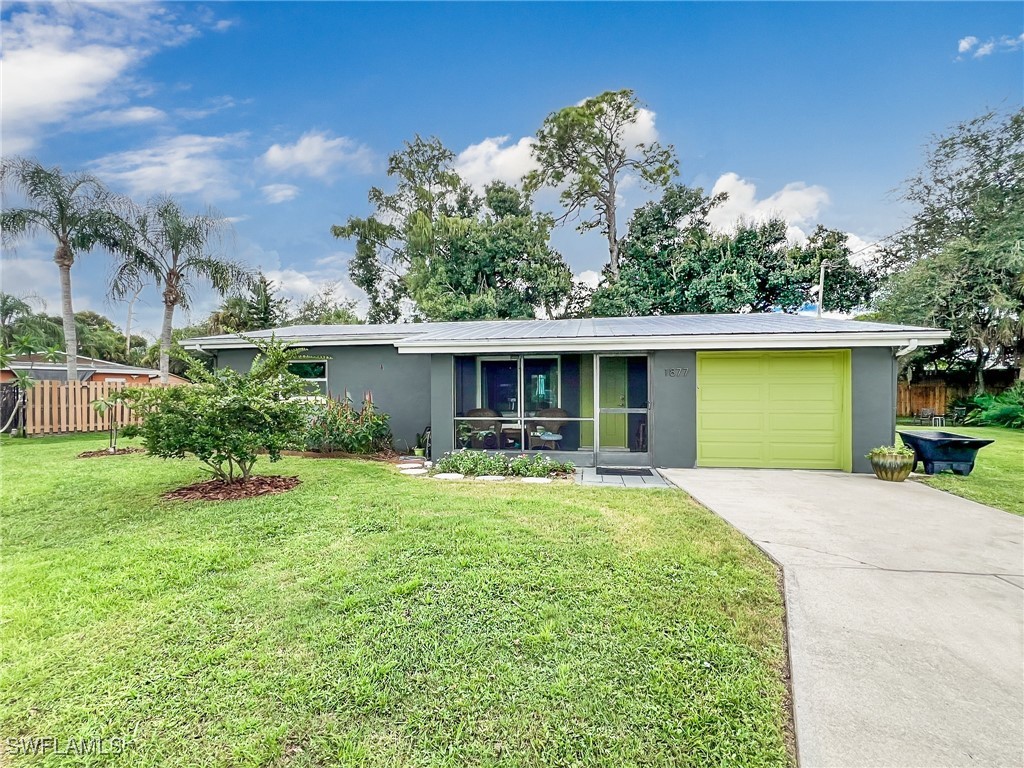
(914, 398)
(936, 394)
(53, 407)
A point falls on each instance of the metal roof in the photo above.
(707, 331)
(38, 362)
(665, 325)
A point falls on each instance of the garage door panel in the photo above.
(736, 422)
(774, 409)
(803, 392)
(807, 424)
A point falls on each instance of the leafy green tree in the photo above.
(585, 152)
(325, 308)
(674, 263)
(18, 318)
(266, 308)
(428, 194)
(74, 209)
(959, 264)
(225, 419)
(449, 253)
(972, 180)
(974, 289)
(497, 264)
(173, 249)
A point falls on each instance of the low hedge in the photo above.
(475, 463)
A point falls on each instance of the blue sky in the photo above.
(281, 115)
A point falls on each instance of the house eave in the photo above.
(708, 341)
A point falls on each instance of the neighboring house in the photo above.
(754, 390)
(89, 369)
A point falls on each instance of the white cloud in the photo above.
(1003, 44)
(643, 130)
(588, 277)
(984, 50)
(966, 43)
(186, 164)
(213, 107)
(798, 203)
(61, 60)
(108, 118)
(317, 154)
(279, 193)
(493, 159)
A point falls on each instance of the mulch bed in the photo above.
(218, 490)
(105, 452)
(379, 456)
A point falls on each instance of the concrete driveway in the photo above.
(906, 614)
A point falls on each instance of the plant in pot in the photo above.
(892, 462)
(421, 443)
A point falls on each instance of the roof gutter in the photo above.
(707, 341)
(319, 341)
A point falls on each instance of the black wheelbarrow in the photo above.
(939, 451)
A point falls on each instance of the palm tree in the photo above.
(174, 250)
(74, 210)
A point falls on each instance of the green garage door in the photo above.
(774, 409)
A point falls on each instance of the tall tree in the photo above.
(19, 319)
(428, 191)
(972, 179)
(74, 209)
(259, 308)
(674, 262)
(326, 308)
(586, 151)
(495, 264)
(175, 250)
(959, 264)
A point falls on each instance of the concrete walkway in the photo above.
(590, 476)
(906, 614)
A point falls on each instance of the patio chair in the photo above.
(546, 428)
(924, 416)
(485, 433)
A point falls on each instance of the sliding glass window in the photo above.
(524, 402)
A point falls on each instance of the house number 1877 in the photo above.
(676, 372)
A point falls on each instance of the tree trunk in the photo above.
(165, 341)
(64, 258)
(979, 374)
(128, 327)
(613, 238)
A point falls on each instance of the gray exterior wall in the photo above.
(873, 377)
(416, 390)
(674, 413)
(400, 383)
(673, 417)
(442, 405)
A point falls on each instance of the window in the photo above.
(314, 372)
(505, 402)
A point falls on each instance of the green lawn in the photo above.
(376, 620)
(998, 476)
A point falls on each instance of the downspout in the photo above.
(911, 347)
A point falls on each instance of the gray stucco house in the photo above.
(751, 390)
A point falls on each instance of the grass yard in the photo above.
(998, 476)
(371, 619)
